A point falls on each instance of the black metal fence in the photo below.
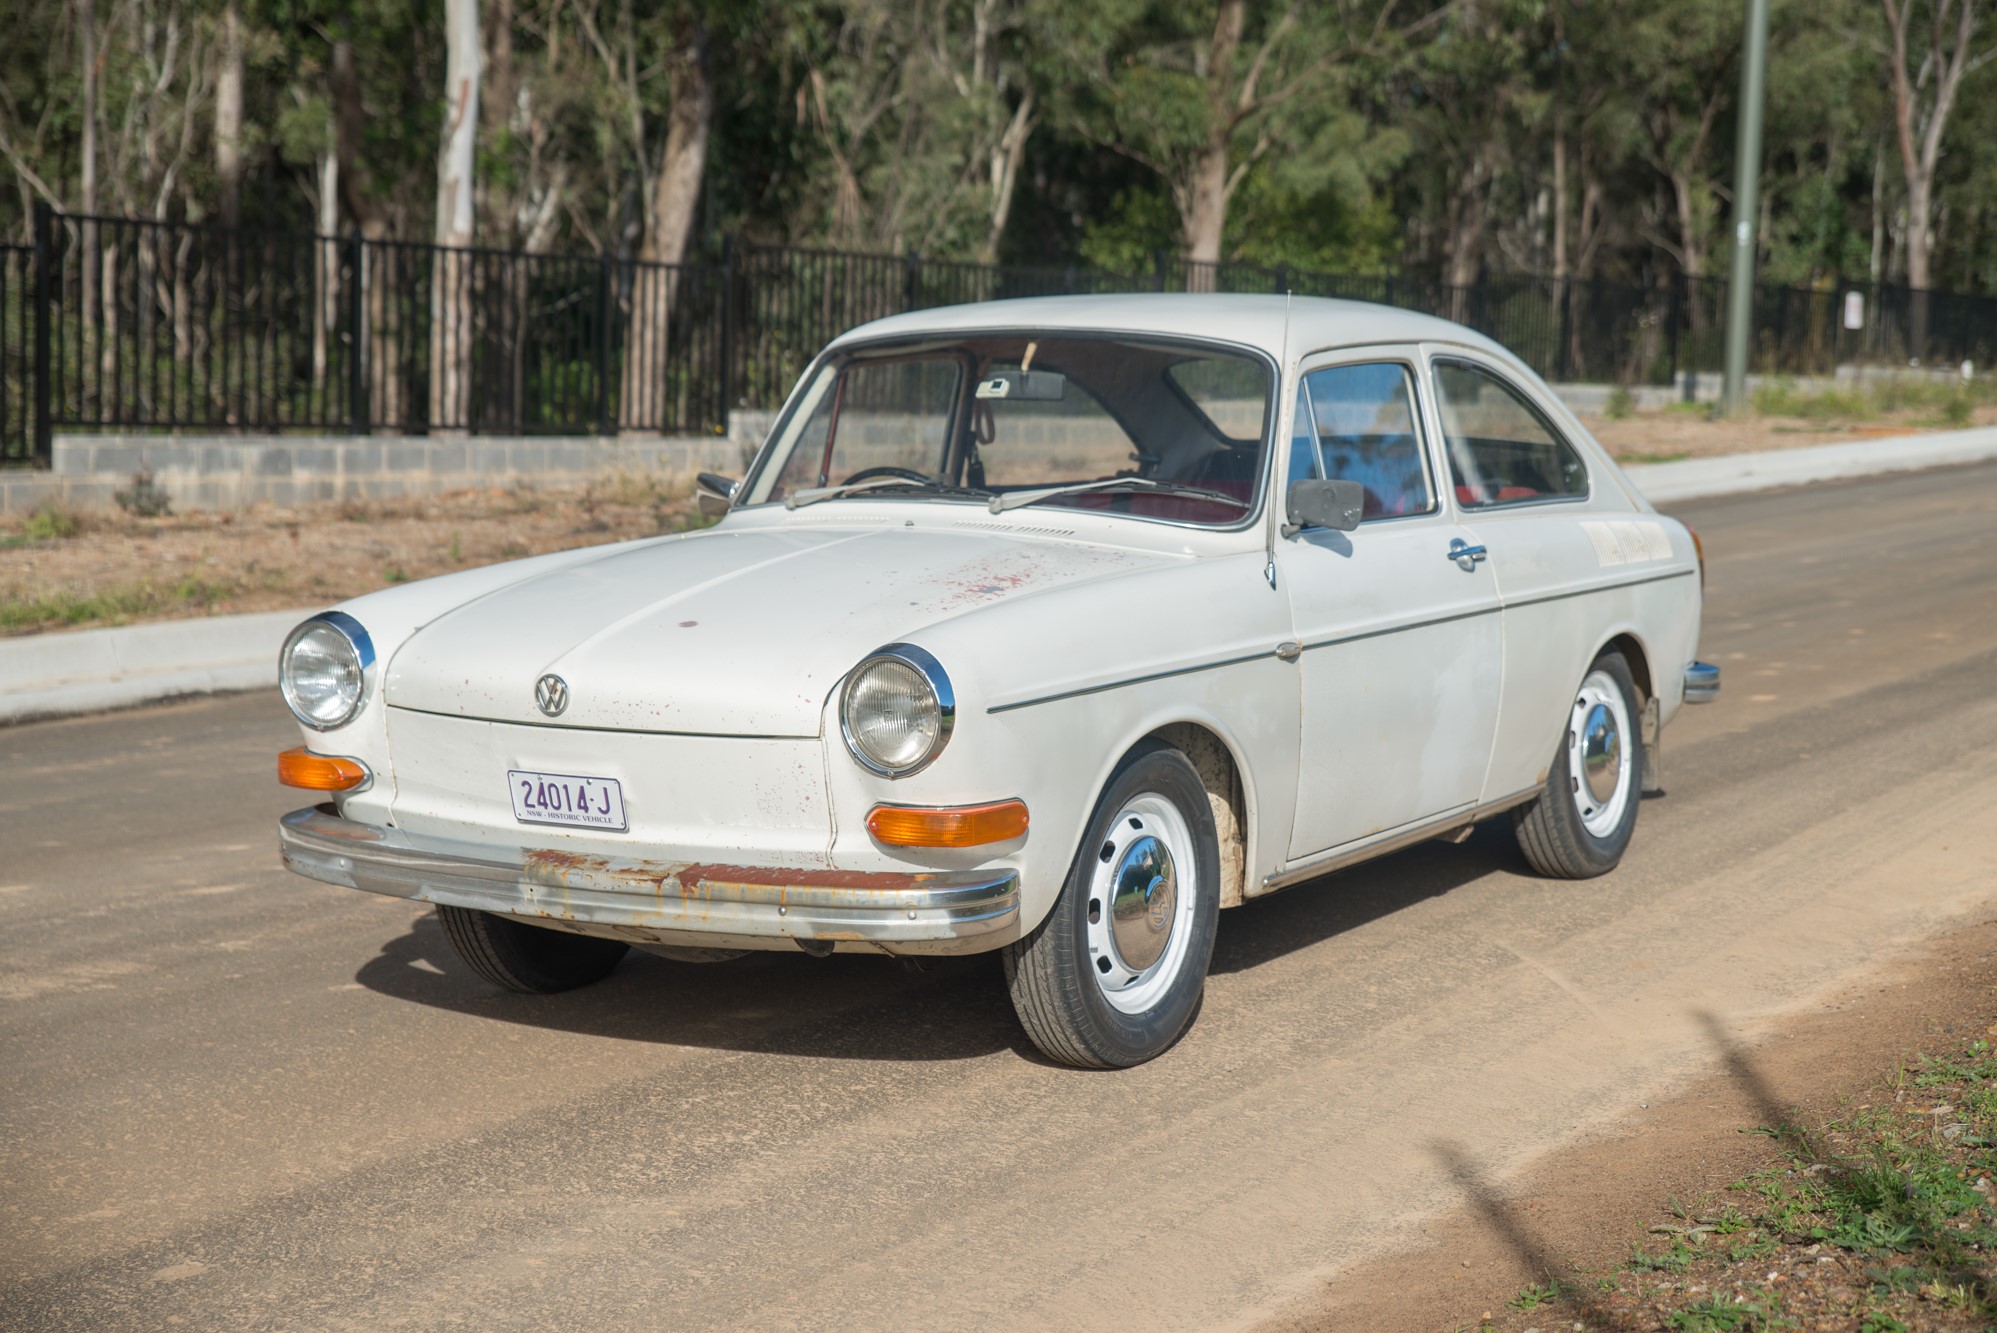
(115, 323)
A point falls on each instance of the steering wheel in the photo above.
(906, 473)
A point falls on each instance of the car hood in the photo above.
(721, 633)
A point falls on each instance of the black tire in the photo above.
(1052, 973)
(1552, 831)
(527, 958)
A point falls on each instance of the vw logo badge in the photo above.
(551, 694)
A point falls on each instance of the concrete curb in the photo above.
(87, 671)
(1736, 474)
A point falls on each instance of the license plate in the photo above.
(565, 798)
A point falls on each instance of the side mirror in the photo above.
(1324, 504)
(713, 493)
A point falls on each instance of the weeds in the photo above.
(146, 498)
(1882, 1220)
(1536, 1294)
(1620, 403)
(19, 614)
(1721, 1314)
(51, 522)
(1945, 402)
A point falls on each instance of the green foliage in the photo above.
(146, 498)
(1347, 136)
(112, 605)
(50, 522)
(1723, 1314)
(1536, 1294)
(1620, 403)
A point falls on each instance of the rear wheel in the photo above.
(527, 958)
(1115, 973)
(1581, 824)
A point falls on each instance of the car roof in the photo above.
(1279, 325)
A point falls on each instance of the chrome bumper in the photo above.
(662, 902)
(1702, 683)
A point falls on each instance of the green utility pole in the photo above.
(1747, 205)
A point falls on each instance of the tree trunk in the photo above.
(1007, 158)
(450, 282)
(655, 283)
(229, 116)
(1468, 212)
(1202, 198)
(326, 272)
(1204, 211)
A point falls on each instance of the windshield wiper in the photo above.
(1014, 500)
(798, 499)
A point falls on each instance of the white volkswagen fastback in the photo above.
(1049, 628)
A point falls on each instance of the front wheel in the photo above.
(1581, 824)
(1114, 975)
(527, 958)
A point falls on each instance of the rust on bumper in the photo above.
(666, 902)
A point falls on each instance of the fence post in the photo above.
(1677, 319)
(911, 280)
(42, 447)
(359, 409)
(603, 290)
(1564, 300)
(727, 329)
(1158, 269)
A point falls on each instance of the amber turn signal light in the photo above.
(319, 772)
(947, 826)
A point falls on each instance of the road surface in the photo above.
(234, 1098)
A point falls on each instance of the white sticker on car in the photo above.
(1624, 541)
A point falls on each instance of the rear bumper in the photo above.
(1702, 683)
(662, 902)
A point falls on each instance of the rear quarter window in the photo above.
(1502, 451)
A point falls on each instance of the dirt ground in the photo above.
(1692, 432)
(1577, 1217)
(114, 569)
(61, 571)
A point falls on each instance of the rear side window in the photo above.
(1364, 421)
(1501, 450)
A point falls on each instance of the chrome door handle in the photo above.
(1466, 555)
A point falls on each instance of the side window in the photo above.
(1366, 433)
(1501, 450)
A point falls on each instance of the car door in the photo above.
(1551, 553)
(1399, 636)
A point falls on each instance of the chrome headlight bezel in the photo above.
(358, 644)
(942, 698)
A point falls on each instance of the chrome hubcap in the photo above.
(1140, 906)
(1142, 891)
(1601, 753)
(1598, 755)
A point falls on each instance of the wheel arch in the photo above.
(1630, 644)
(1225, 777)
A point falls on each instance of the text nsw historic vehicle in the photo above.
(1049, 627)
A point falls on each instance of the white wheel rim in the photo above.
(1143, 887)
(1599, 761)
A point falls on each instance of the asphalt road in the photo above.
(233, 1098)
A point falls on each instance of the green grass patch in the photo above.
(1938, 402)
(110, 606)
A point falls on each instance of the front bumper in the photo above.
(662, 902)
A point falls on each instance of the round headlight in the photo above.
(323, 669)
(897, 710)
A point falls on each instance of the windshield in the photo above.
(1164, 430)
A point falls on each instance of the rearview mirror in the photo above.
(712, 493)
(1032, 386)
(1324, 504)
